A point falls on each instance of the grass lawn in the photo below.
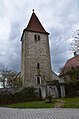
(34, 104)
(71, 102)
(62, 103)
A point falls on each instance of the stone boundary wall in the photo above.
(10, 90)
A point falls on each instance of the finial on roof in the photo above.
(33, 10)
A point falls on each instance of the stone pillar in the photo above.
(62, 89)
(43, 92)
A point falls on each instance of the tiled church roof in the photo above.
(35, 25)
(73, 62)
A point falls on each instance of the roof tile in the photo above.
(73, 62)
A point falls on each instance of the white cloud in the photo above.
(60, 18)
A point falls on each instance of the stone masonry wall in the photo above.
(33, 53)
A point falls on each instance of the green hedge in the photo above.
(25, 95)
(71, 89)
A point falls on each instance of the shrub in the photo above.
(26, 94)
(71, 89)
(49, 99)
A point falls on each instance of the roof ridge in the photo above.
(73, 57)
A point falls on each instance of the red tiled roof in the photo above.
(73, 62)
(35, 25)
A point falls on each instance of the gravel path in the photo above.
(54, 113)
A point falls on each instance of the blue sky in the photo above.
(59, 17)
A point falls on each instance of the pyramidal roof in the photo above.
(35, 25)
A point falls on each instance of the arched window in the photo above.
(38, 66)
(38, 79)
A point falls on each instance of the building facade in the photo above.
(36, 66)
(35, 58)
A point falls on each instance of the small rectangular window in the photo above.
(38, 37)
(35, 38)
(38, 65)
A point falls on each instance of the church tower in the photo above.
(35, 54)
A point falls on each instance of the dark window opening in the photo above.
(38, 65)
(38, 80)
(35, 38)
(38, 37)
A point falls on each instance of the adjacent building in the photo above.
(70, 71)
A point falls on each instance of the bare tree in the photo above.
(10, 78)
(14, 79)
(3, 75)
(75, 41)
